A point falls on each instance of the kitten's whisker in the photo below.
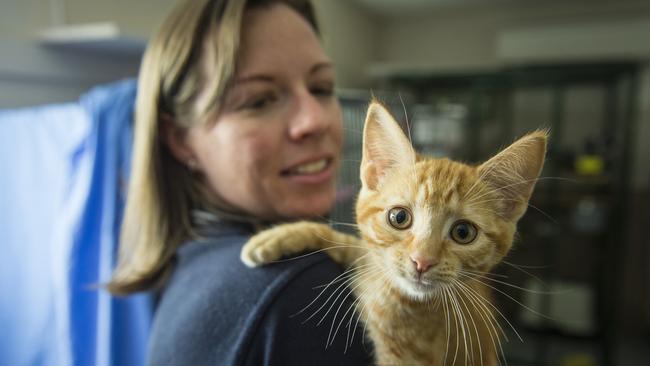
(348, 244)
(340, 289)
(436, 301)
(560, 178)
(329, 220)
(543, 213)
(522, 270)
(451, 317)
(362, 295)
(283, 260)
(479, 303)
(480, 317)
(330, 337)
(355, 270)
(336, 223)
(379, 291)
(519, 266)
(408, 130)
(469, 271)
(406, 117)
(348, 341)
(447, 322)
(493, 326)
(513, 299)
(493, 323)
(513, 286)
(338, 292)
(456, 323)
(486, 316)
(356, 323)
(460, 327)
(359, 283)
(357, 246)
(350, 272)
(471, 318)
(355, 263)
(484, 304)
(494, 307)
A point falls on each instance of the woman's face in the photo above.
(274, 148)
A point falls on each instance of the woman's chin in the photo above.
(318, 206)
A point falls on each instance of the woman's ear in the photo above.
(175, 138)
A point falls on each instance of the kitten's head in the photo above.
(430, 222)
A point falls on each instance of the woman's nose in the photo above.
(310, 118)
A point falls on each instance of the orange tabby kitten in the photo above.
(430, 229)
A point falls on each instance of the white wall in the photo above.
(139, 18)
(350, 37)
(449, 39)
(460, 39)
(19, 18)
(32, 74)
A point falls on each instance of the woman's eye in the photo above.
(260, 102)
(400, 218)
(323, 91)
(463, 232)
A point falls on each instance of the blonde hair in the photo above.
(162, 191)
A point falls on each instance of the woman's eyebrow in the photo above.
(320, 66)
(254, 78)
(269, 79)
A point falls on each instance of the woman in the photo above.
(237, 127)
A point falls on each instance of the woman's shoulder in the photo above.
(213, 266)
(215, 308)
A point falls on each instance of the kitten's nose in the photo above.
(423, 264)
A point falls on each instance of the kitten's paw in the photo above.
(262, 248)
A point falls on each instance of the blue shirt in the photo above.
(216, 311)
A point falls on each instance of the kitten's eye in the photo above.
(463, 232)
(399, 218)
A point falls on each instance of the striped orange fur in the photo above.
(420, 285)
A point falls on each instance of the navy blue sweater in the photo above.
(216, 311)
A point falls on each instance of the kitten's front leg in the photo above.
(289, 239)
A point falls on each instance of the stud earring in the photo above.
(192, 164)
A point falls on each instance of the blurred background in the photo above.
(466, 77)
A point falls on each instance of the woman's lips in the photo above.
(311, 172)
(309, 168)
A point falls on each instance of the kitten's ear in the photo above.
(514, 172)
(384, 146)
